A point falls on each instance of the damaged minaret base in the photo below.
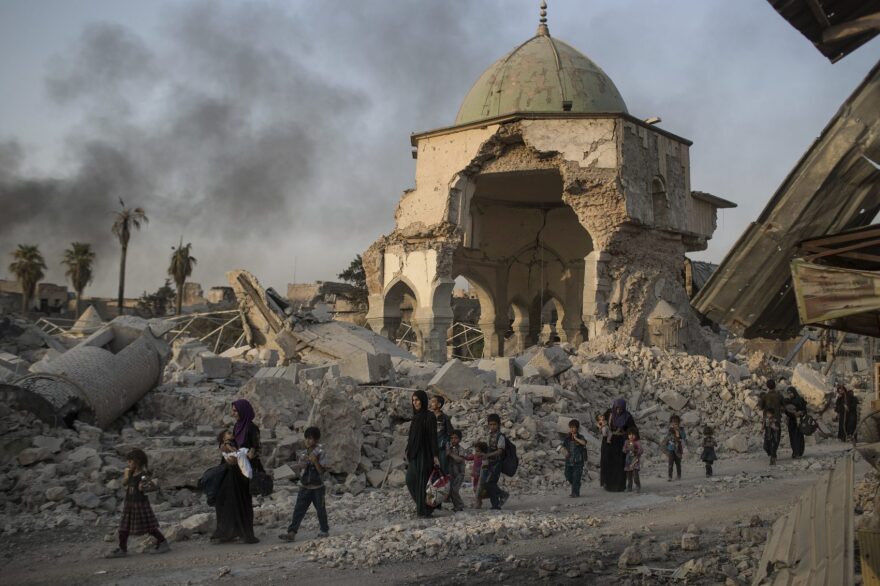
(102, 377)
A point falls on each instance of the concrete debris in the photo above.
(454, 380)
(812, 386)
(366, 368)
(88, 322)
(548, 362)
(213, 366)
(184, 352)
(607, 370)
(334, 410)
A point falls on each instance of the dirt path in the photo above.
(742, 487)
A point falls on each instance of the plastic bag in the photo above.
(438, 488)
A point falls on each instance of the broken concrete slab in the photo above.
(606, 370)
(812, 385)
(738, 443)
(549, 362)
(334, 411)
(675, 400)
(185, 351)
(316, 374)
(366, 368)
(543, 392)
(454, 380)
(213, 366)
(87, 323)
(283, 472)
(238, 352)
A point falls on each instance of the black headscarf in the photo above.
(422, 437)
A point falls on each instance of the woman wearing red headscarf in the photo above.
(234, 504)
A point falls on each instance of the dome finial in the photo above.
(542, 27)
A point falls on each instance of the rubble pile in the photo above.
(439, 540)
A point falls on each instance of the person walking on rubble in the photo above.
(421, 452)
(497, 443)
(621, 423)
(575, 447)
(234, 504)
(795, 408)
(312, 463)
(674, 446)
(770, 403)
(137, 515)
(847, 408)
(444, 429)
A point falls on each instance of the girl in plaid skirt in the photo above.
(137, 516)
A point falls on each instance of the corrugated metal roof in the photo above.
(814, 544)
(813, 17)
(834, 187)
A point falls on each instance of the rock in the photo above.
(549, 362)
(56, 493)
(631, 556)
(355, 484)
(366, 368)
(606, 370)
(543, 392)
(397, 478)
(269, 356)
(812, 386)
(315, 375)
(725, 395)
(199, 523)
(283, 472)
(238, 352)
(690, 419)
(675, 400)
(177, 467)
(185, 351)
(340, 421)
(454, 380)
(690, 542)
(86, 500)
(737, 443)
(213, 366)
(29, 456)
(276, 401)
(375, 477)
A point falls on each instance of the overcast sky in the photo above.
(274, 136)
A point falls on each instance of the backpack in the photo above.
(509, 461)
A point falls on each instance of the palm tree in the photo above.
(180, 268)
(27, 266)
(78, 259)
(122, 225)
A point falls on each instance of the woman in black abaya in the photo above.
(421, 452)
(234, 504)
(621, 423)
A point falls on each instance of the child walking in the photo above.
(311, 490)
(477, 458)
(675, 440)
(444, 429)
(455, 462)
(709, 444)
(575, 448)
(137, 515)
(633, 450)
(771, 434)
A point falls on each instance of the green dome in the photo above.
(541, 75)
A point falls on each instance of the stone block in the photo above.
(673, 399)
(812, 386)
(365, 368)
(199, 523)
(397, 478)
(315, 375)
(355, 484)
(29, 456)
(505, 369)
(549, 362)
(690, 542)
(283, 472)
(56, 493)
(606, 370)
(339, 418)
(239, 352)
(454, 380)
(213, 366)
(185, 352)
(738, 443)
(375, 477)
(691, 419)
(543, 392)
(53, 444)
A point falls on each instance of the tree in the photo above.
(356, 276)
(27, 266)
(156, 304)
(123, 223)
(180, 268)
(78, 259)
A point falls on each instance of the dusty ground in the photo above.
(743, 487)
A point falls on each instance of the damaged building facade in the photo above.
(545, 191)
